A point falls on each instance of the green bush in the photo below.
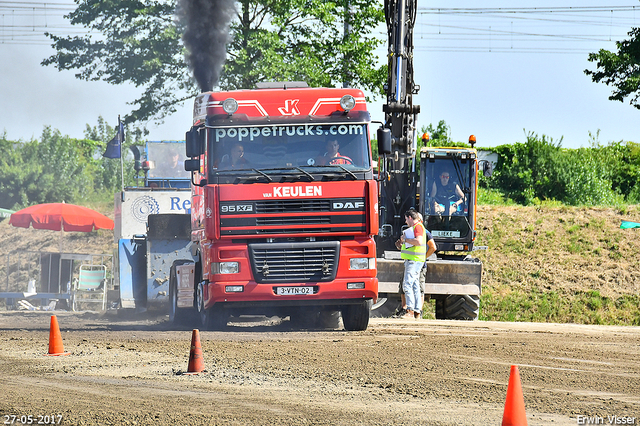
(541, 170)
(59, 168)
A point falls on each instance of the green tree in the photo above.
(620, 69)
(139, 42)
(106, 173)
(439, 135)
(56, 168)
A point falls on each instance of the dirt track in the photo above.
(415, 372)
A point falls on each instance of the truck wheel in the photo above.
(212, 318)
(329, 319)
(356, 317)
(178, 316)
(303, 318)
(458, 307)
(385, 307)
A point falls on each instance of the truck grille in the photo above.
(292, 206)
(294, 262)
(293, 220)
(301, 216)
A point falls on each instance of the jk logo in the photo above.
(290, 107)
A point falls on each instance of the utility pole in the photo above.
(346, 70)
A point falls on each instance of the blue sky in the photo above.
(493, 73)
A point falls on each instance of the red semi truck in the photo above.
(284, 208)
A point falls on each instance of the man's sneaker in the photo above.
(417, 314)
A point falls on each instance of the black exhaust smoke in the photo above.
(206, 24)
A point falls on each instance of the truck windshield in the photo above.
(446, 196)
(166, 160)
(335, 145)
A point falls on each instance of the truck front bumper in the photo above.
(335, 293)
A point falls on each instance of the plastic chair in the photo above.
(90, 286)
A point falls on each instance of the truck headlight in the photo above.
(347, 102)
(225, 268)
(230, 105)
(362, 263)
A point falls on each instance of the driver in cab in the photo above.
(332, 155)
(236, 160)
(447, 195)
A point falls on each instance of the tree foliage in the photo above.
(540, 169)
(305, 40)
(139, 41)
(439, 135)
(107, 176)
(58, 168)
(620, 69)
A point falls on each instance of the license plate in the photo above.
(454, 234)
(287, 291)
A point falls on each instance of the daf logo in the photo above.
(347, 205)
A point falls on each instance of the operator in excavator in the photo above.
(446, 195)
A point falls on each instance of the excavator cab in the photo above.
(448, 188)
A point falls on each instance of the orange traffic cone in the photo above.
(196, 361)
(55, 339)
(514, 413)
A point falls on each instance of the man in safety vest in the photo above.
(415, 241)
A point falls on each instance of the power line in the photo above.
(12, 11)
(522, 29)
(558, 9)
(507, 33)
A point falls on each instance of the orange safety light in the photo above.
(425, 136)
(472, 140)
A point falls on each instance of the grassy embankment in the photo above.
(554, 263)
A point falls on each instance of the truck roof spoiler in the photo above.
(281, 84)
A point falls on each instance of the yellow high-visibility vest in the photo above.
(417, 253)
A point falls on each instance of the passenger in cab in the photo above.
(332, 155)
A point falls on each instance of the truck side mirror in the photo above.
(192, 165)
(194, 142)
(384, 141)
(487, 169)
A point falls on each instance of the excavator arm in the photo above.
(397, 142)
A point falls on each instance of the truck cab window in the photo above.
(291, 146)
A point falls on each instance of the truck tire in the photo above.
(329, 320)
(356, 317)
(456, 307)
(304, 318)
(212, 318)
(177, 316)
(385, 307)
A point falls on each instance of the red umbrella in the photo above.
(55, 216)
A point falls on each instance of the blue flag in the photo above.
(114, 146)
